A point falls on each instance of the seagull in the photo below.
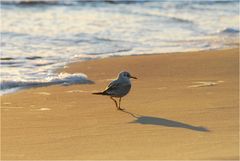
(118, 88)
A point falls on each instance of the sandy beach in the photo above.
(182, 106)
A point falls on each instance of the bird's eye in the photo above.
(126, 74)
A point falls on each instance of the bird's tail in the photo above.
(99, 93)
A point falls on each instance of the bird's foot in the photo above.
(120, 108)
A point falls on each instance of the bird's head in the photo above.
(125, 74)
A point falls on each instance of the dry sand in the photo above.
(185, 107)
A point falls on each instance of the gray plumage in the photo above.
(118, 88)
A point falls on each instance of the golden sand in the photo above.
(183, 106)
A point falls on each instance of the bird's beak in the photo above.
(133, 77)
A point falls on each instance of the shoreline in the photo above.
(63, 69)
(184, 104)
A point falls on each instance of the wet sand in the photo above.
(183, 106)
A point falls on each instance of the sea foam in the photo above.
(33, 47)
(62, 78)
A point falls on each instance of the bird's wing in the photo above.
(113, 85)
(117, 88)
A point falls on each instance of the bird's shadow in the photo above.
(150, 120)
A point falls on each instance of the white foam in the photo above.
(62, 78)
(10, 90)
(204, 84)
(76, 91)
(43, 109)
(31, 52)
(44, 93)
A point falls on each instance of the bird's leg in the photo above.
(119, 107)
(114, 101)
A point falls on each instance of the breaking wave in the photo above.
(62, 78)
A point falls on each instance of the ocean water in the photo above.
(37, 37)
